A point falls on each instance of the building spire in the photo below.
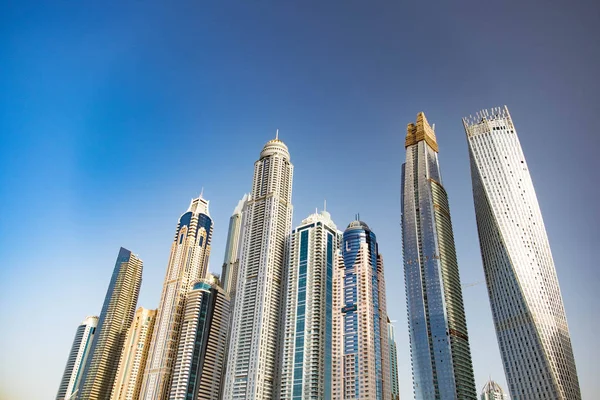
(277, 134)
(202, 192)
(325, 205)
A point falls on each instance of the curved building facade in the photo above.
(187, 264)
(77, 357)
(439, 341)
(527, 307)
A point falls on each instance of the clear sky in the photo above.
(113, 115)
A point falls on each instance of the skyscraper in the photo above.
(187, 264)
(115, 319)
(493, 391)
(441, 357)
(529, 316)
(360, 349)
(253, 357)
(232, 258)
(307, 357)
(200, 361)
(395, 386)
(134, 356)
(77, 357)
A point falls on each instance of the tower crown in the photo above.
(275, 146)
(420, 131)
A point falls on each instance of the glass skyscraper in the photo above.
(130, 374)
(200, 361)
(529, 316)
(441, 357)
(360, 346)
(77, 357)
(187, 264)
(307, 349)
(115, 319)
(253, 367)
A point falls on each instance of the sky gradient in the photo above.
(113, 115)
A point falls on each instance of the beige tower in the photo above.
(361, 353)
(133, 359)
(188, 263)
(116, 316)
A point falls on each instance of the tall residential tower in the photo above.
(232, 257)
(130, 374)
(200, 361)
(441, 357)
(307, 358)
(361, 357)
(187, 264)
(527, 306)
(115, 319)
(253, 360)
(77, 357)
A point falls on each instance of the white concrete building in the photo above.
(254, 353)
(527, 307)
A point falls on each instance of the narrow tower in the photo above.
(232, 258)
(80, 350)
(393, 362)
(134, 356)
(253, 359)
(115, 319)
(527, 306)
(187, 264)
(360, 345)
(200, 361)
(441, 357)
(307, 358)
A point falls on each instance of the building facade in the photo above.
(395, 386)
(115, 319)
(130, 373)
(254, 352)
(527, 307)
(232, 258)
(440, 351)
(200, 364)
(69, 384)
(188, 263)
(307, 348)
(361, 358)
(493, 391)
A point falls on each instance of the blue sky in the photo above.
(113, 115)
